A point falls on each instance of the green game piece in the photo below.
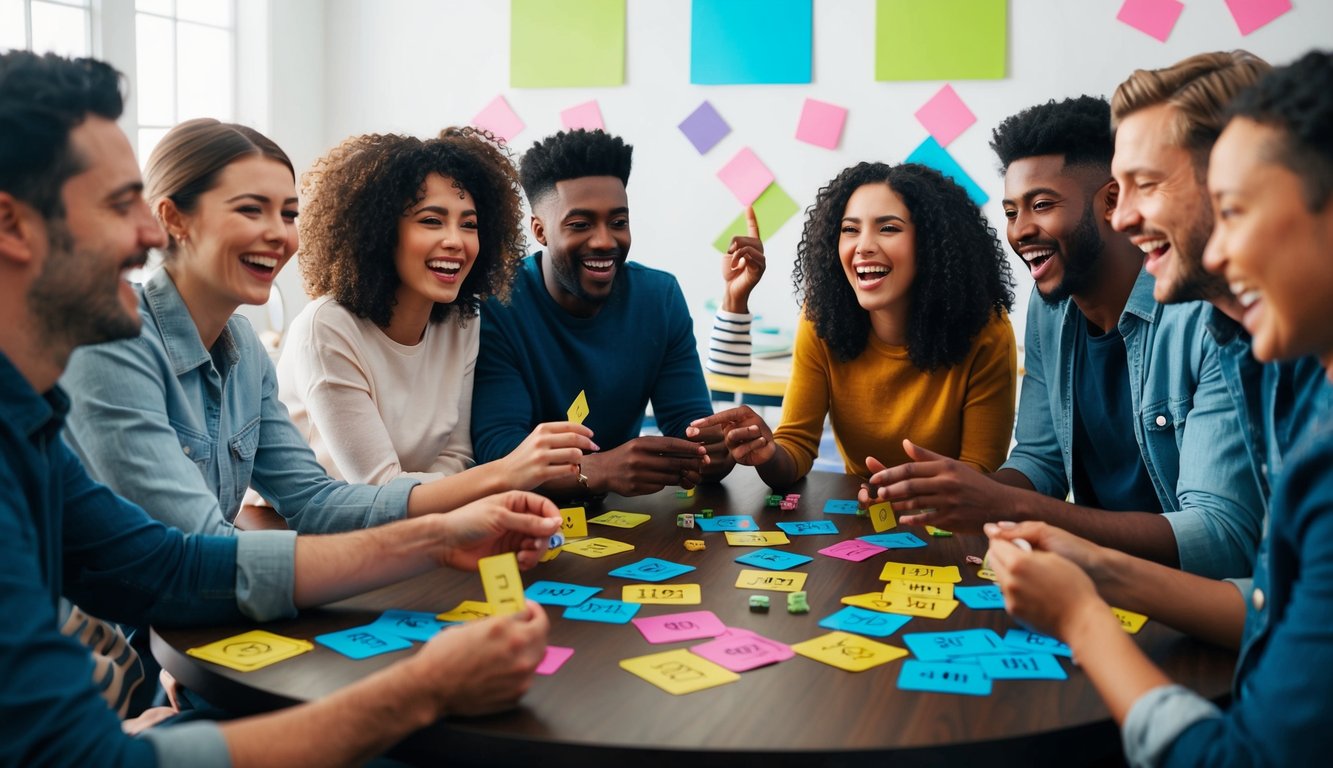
(796, 603)
(707, 514)
(758, 603)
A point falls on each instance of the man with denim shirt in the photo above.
(73, 223)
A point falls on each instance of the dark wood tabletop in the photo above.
(798, 712)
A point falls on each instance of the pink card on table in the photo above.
(1155, 18)
(945, 115)
(587, 116)
(852, 549)
(555, 658)
(499, 119)
(821, 123)
(674, 627)
(1252, 14)
(745, 176)
(740, 649)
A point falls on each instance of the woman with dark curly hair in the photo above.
(905, 332)
(402, 239)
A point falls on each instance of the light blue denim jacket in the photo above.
(183, 432)
(1187, 427)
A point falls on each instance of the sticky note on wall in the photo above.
(591, 35)
(940, 39)
(750, 41)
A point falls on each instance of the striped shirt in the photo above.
(729, 346)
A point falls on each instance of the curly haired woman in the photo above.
(905, 332)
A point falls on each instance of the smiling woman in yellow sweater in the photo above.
(905, 331)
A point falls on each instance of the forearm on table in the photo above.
(451, 492)
(1143, 534)
(1208, 609)
(1014, 479)
(781, 470)
(1110, 657)
(337, 566)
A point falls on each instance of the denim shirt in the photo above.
(183, 432)
(64, 535)
(1186, 427)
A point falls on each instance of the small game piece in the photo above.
(557, 541)
(796, 603)
(974, 560)
(792, 497)
(706, 513)
(772, 500)
(786, 506)
(685, 520)
(694, 545)
(937, 532)
(759, 603)
(685, 493)
(863, 512)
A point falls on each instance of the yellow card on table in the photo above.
(921, 588)
(662, 594)
(618, 519)
(881, 516)
(847, 651)
(907, 605)
(503, 585)
(551, 554)
(678, 671)
(251, 650)
(467, 610)
(986, 573)
(598, 547)
(1130, 621)
(918, 572)
(938, 532)
(772, 581)
(578, 410)
(756, 538)
(573, 523)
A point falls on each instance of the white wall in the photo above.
(351, 66)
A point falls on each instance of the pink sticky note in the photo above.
(556, 656)
(852, 549)
(945, 115)
(739, 650)
(1252, 14)
(821, 123)
(499, 119)
(745, 176)
(674, 627)
(587, 116)
(1152, 17)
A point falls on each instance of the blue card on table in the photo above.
(808, 527)
(773, 559)
(412, 625)
(936, 677)
(605, 611)
(864, 622)
(363, 642)
(980, 598)
(1023, 666)
(900, 540)
(559, 593)
(651, 569)
(726, 523)
(840, 507)
(1027, 640)
(943, 646)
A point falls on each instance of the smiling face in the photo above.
(877, 248)
(437, 243)
(1053, 224)
(584, 225)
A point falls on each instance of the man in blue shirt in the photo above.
(582, 319)
(73, 223)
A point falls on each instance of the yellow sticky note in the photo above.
(937, 532)
(772, 581)
(618, 519)
(847, 651)
(503, 585)
(251, 650)
(918, 572)
(467, 610)
(662, 594)
(573, 523)
(922, 588)
(907, 605)
(756, 538)
(678, 671)
(598, 547)
(551, 554)
(578, 410)
(986, 573)
(881, 516)
(1130, 621)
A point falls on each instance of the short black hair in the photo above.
(43, 99)
(573, 155)
(1079, 129)
(1298, 101)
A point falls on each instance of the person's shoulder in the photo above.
(652, 277)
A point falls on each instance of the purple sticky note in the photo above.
(852, 549)
(555, 657)
(587, 116)
(1152, 17)
(740, 649)
(704, 127)
(745, 176)
(674, 627)
(945, 115)
(499, 119)
(1252, 14)
(821, 123)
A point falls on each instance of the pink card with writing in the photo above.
(852, 549)
(556, 656)
(1155, 18)
(587, 116)
(945, 115)
(740, 649)
(1252, 14)
(674, 627)
(499, 119)
(746, 176)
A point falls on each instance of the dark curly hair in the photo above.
(1079, 129)
(354, 197)
(962, 276)
(1297, 100)
(573, 155)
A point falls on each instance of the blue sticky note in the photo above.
(840, 507)
(1027, 640)
(363, 642)
(809, 527)
(605, 611)
(1023, 666)
(750, 41)
(726, 523)
(410, 625)
(900, 540)
(980, 598)
(936, 677)
(930, 153)
(864, 622)
(559, 593)
(773, 559)
(651, 569)
(942, 646)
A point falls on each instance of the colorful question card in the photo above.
(754, 538)
(852, 549)
(363, 642)
(840, 507)
(847, 651)
(467, 610)
(773, 559)
(604, 611)
(980, 598)
(881, 517)
(1033, 642)
(945, 646)
(1023, 666)
(675, 627)
(619, 519)
(555, 658)
(598, 547)
(772, 581)
(411, 625)
(726, 523)
(740, 650)
(573, 522)
(662, 594)
(578, 410)
(929, 607)
(1130, 621)
(503, 585)
(651, 569)
(864, 622)
(922, 588)
(919, 572)
(809, 527)
(251, 650)
(558, 593)
(903, 540)
(942, 677)
(678, 672)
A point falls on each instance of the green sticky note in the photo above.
(940, 39)
(566, 43)
(772, 209)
